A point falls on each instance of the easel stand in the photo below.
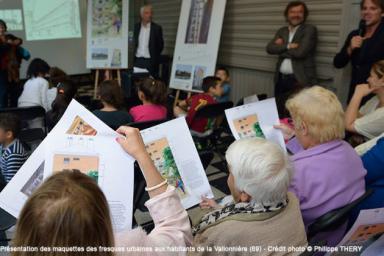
(108, 75)
(178, 96)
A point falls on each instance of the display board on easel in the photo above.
(107, 36)
(197, 43)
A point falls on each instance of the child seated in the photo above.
(212, 88)
(13, 153)
(111, 95)
(153, 94)
(35, 92)
(223, 74)
(66, 91)
(56, 76)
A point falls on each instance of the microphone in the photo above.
(362, 28)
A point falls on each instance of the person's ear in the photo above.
(304, 129)
(8, 135)
(141, 95)
(244, 197)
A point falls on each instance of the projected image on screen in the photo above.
(13, 19)
(53, 19)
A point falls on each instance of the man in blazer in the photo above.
(149, 42)
(295, 45)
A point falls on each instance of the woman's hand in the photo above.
(132, 143)
(207, 203)
(363, 90)
(287, 131)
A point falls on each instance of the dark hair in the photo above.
(155, 91)
(36, 67)
(111, 93)
(210, 81)
(66, 91)
(10, 123)
(2, 23)
(295, 4)
(57, 75)
(379, 3)
(222, 68)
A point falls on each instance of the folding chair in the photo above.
(146, 124)
(28, 135)
(335, 218)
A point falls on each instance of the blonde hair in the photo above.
(321, 111)
(260, 168)
(68, 209)
(378, 68)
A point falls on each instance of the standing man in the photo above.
(148, 42)
(364, 46)
(295, 45)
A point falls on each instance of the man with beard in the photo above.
(364, 46)
(295, 45)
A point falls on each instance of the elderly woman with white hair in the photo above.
(328, 173)
(263, 212)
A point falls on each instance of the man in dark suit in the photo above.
(295, 45)
(149, 42)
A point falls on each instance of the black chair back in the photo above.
(335, 218)
(26, 114)
(213, 110)
(146, 124)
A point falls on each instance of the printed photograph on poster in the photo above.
(199, 21)
(34, 181)
(107, 18)
(100, 54)
(365, 235)
(162, 156)
(183, 72)
(248, 127)
(87, 164)
(80, 127)
(116, 58)
(198, 76)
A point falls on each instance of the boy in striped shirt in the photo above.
(13, 154)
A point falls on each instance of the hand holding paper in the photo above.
(133, 144)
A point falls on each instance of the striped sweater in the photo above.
(12, 158)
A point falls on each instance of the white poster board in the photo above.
(174, 154)
(107, 34)
(256, 120)
(81, 135)
(197, 43)
(366, 236)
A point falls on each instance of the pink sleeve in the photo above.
(172, 227)
(133, 112)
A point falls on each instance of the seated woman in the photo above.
(111, 95)
(71, 207)
(263, 212)
(369, 119)
(328, 173)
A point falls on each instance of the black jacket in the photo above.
(361, 59)
(156, 42)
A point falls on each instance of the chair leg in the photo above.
(3, 239)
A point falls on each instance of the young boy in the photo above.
(223, 74)
(212, 88)
(13, 154)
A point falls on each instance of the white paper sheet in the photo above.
(251, 99)
(116, 182)
(368, 232)
(171, 147)
(137, 70)
(255, 120)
